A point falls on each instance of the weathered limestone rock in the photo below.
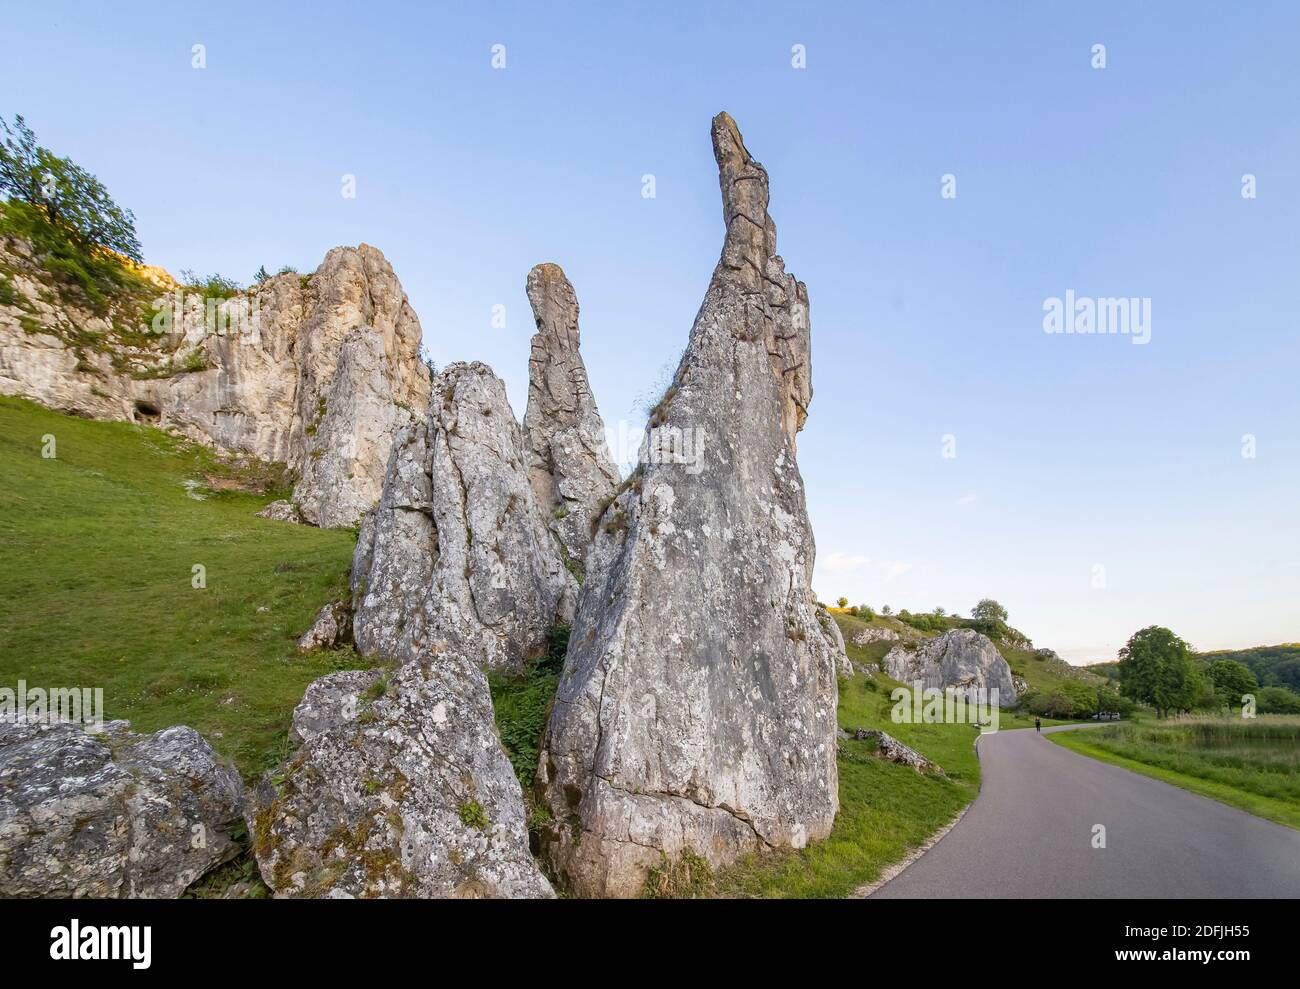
(697, 706)
(280, 511)
(961, 658)
(111, 814)
(315, 372)
(333, 624)
(870, 635)
(343, 472)
(456, 556)
(569, 466)
(843, 665)
(892, 750)
(399, 788)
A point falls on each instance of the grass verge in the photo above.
(98, 549)
(1253, 766)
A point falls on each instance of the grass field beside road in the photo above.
(1252, 764)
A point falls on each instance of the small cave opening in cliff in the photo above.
(147, 413)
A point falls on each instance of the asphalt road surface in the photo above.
(1029, 833)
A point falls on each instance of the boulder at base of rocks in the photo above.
(280, 511)
(892, 750)
(111, 814)
(696, 711)
(961, 658)
(332, 626)
(400, 788)
(456, 557)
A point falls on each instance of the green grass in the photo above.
(97, 548)
(1253, 765)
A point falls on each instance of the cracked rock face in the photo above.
(456, 556)
(399, 788)
(569, 466)
(111, 814)
(697, 705)
(342, 474)
(960, 658)
(321, 379)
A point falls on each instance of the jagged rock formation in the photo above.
(961, 658)
(399, 788)
(316, 372)
(697, 706)
(111, 814)
(457, 556)
(569, 466)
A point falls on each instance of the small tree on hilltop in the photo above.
(842, 603)
(988, 610)
(68, 197)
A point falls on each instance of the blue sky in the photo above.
(1072, 452)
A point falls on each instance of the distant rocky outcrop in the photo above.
(111, 814)
(960, 658)
(569, 466)
(399, 788)
(457, 557)
(697, 706)
(317, 372)
(870, 635)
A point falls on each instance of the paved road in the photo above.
(1029, 833)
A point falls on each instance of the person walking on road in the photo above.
(1038, 724)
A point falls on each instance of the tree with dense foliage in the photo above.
(842, 603)
(1273, 666)
(1156, 668)
(68, 197)
(1231, 679)
(1277, 700)
(988, 610)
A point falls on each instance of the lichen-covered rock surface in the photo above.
(697, 706)
(111, 814)
(457, 556)
(399, 788)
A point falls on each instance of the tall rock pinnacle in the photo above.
(569, 466)
(697, 706)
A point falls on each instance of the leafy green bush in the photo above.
(522, 703)
(1277, 700)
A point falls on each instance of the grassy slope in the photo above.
(1261, 780)
(96, 551)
